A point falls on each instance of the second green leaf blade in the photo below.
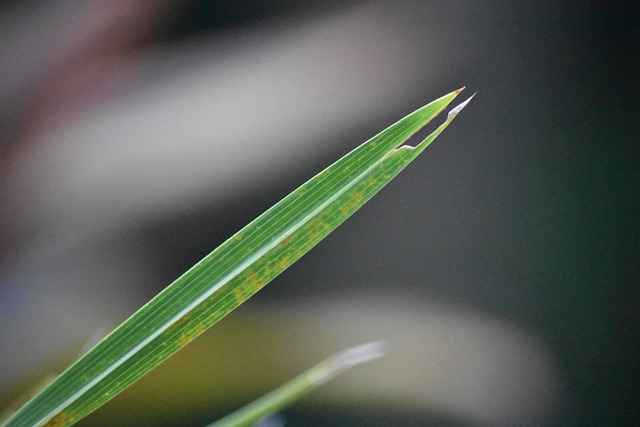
(230, 274)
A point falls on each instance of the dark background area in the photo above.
(525, 210)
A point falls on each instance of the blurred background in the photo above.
(502, 266)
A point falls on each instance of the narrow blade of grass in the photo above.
(302, 384)
(230, 274)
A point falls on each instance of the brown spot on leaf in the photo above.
(62, 419)
(285, 241)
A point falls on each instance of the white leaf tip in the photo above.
(459, 108)
(351, 357)
(362, 353)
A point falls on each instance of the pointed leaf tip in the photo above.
(362, 353)
(459, 108)
(351, 357)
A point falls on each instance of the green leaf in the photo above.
(230, 274)
(302, 384)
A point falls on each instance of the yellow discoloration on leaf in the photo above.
(62, 419)
(357, 196)
(283, 263)
(184, 340)
(372, 181)
(316, 227)
(253, 284)
(215, 295)
(189, 336)
(238, 236)
(178, 322)
(238, 294)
